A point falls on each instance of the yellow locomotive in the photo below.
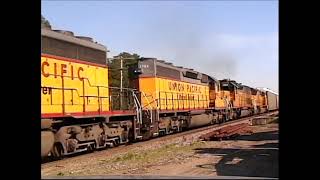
(178, 98)
(75, 97)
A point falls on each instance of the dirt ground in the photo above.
(253, 155)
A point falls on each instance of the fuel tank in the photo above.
(200, 120)
(47, 140)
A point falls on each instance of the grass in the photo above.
(167, 151)
(60, 174)
(276, 120)
(134, 159)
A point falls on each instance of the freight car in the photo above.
(78, 106)
(272, 99)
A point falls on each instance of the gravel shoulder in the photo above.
(253, 155)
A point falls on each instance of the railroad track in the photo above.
(165, 139)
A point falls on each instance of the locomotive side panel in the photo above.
(173, 95)
(239, 99)
(212, 94)
(182, 95)
(72, 88)
(221, 98)
(243, 99)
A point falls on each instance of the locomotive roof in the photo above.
(179, 68)
(72, 39)
(233, 82)
(268, 90)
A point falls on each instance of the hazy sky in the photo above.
(225, 39)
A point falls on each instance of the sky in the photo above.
(225, 39)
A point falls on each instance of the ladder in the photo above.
(138, 107)
(229, 109)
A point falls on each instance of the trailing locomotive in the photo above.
(180, 98)
(78, 111)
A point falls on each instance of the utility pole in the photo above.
(121, 75)
(121, 78)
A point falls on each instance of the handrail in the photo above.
(94, 85)
(138, 107)
(149, 106)
(191, 102)
(96, 95)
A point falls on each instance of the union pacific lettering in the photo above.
(64, 70)
(176, 86)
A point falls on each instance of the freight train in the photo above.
(78, 111)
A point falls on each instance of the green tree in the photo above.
(44, 22)
(130, 61)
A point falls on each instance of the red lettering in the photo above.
(63, 70)
(42, 69)
(174, 86)
(80, 78)
(55, 70)
(71, 72)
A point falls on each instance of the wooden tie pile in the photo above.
(227, 132)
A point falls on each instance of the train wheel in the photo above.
(57, 151)
(223, 119)
(116, 142)
(227, 117)
(91, 148)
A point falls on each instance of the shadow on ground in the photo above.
(261, 136)
(256, 161)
